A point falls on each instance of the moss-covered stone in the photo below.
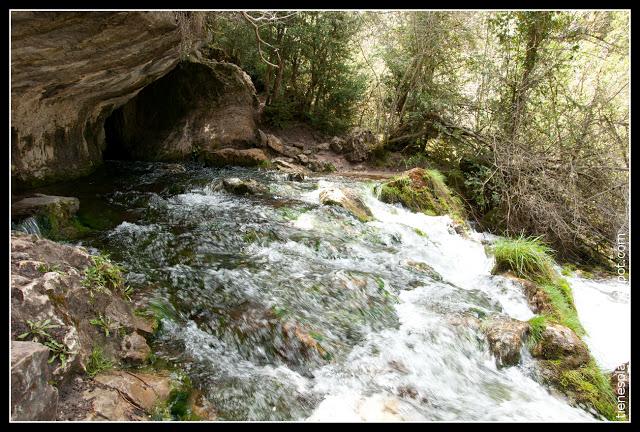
(423, 191)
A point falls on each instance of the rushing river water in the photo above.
(279, 308)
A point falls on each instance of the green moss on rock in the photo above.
(423, 191)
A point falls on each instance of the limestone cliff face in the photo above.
(71, 70)
(68, 71)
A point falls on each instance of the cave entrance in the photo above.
(154, 125)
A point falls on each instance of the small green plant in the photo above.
(58, 351)
(420, 232)
(527, 257)
(38, 333)
(38, 330)
(104, 323)
(97, 362)
(46, 268)
(537, 326)
(103, 276)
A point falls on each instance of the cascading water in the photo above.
(280, 308)
(30, 226)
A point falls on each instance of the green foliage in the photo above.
(425, 191)
(38, 333)
(537, 325)
(590, 385)
(98, 362)
(527, 257)
(104, 323)
(46, 268)
(104, 276)
(38, 330)
(58, 351)
(564, 311)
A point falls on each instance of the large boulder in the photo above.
(238, 186)
(32, 397)
(54, 214)
(424, 191)
(359, 145)
(86, 86)
(561, 343)
(348, 200)
(505, 337)
(229, 156)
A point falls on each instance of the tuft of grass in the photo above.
(104, 323)
(537, 325)
(527, 257)
(105, 277)
(97, 362)
(564, 311)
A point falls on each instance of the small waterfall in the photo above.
(30, 226)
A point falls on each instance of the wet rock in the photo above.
(174, 168)
(39, 204)
(348, 200)
(135, 349)
(561, 343)
(505, 337)
(54, 214)
(238, 186)
(537, 298)
(303, 159)
(425, 268)
(298, 144)
(296, 176)
(229, 156)
(32, 397)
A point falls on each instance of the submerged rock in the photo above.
(229, 156)
(348, 200)
(505, 337)
(425, 268)
(32, 397)
(238, 186)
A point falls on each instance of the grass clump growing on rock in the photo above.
(537, 326)
(97, 362)
(564, 311)
(104, 276)
(527, 257)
